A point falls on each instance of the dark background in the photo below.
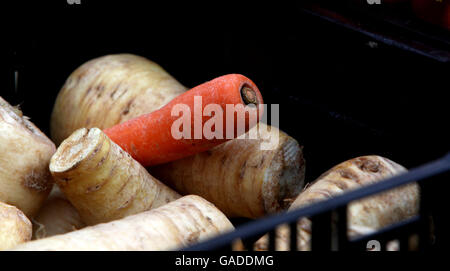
(338, 96)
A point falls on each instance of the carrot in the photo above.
(149, 138)
(128, 86)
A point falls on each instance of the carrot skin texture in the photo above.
(149, 140)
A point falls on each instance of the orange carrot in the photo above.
(150, 140)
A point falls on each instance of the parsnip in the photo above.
(102, 181)
(125, 86)
(364, 215)
(25, 180)
(57, 216)
(175, 225)
(238, 177)
(15, 228)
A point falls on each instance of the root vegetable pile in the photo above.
(155, 88)
(125, 182)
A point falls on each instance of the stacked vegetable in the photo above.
(124, 182)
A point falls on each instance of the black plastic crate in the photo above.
(342, 91)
